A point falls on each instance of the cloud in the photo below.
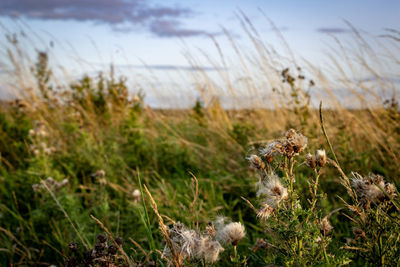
(120, 14)
(171, 28)
(332, 30)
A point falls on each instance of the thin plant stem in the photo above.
(65, 214)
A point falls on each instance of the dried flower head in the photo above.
(358, 233)
(372, 188)
(135, 99)
(256, 162)
(320, 157)
(271, 150)
(191, 244)
(231, 233)
(210, 229)
(290, 145)
(136, 195)
(310, 161)
(265, 212)
(294, 143)
(326, 226)
(273, 190)
(208, 249)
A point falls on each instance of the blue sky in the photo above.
(133, 32)
(152, 37)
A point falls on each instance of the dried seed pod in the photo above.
(326, 226)
(101, 238)
(112, 250)
(256, 162)
(310, 161)
(320, 158)
(73, 247)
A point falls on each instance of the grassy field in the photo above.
(84, 167)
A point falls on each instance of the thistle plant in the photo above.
(373, 211)
(295, 234)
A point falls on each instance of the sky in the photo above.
(132, 33)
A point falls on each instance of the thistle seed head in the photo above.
(256, 162)
(265, 212)
(136, 195)
(208, 249)
(310, 161)
(320, 158)
(231, 233)
(273, 191)
(372, 188)
(326, 226)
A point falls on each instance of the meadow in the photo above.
(92, 176)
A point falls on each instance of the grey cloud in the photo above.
(171, 28)
(333, 30)
(121, 14)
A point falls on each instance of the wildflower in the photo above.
(183, 240)
(50, 181)
(271, 150)
(310, 161)
(209, 249)
(274, 191)
(136, 195)
(36, 187)
(320, 157)
(265, 212)
(390, 189)
(326, 226)
(290, 145)
(256, 162)
(231, 233)
(188, 242)
(372, 188)
(294, 143)
(135, 99)
(210, 229)
(61, 184)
